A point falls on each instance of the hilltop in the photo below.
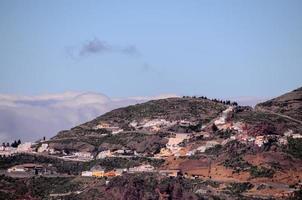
(137, 124)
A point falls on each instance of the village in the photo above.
(172, 149)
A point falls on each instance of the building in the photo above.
(113, 129)
(25, 147)
(170, 172)
(16, 169)
(43, 148)
(119, 172)
(295, 136)
(29, 167)
(104, 154)
(98, 173)
(87, 173)
(142, 168)
(83, 155)
(110, 174)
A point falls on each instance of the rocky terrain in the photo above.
(220, 151)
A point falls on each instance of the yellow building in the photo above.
(98, 173)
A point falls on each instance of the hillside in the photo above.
(137, 123)
(171, 109)
(289, 104)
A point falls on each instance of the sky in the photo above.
(64, 62)
(144, 48)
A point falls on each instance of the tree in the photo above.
(214, 128)
(14, 144)
(19, 142)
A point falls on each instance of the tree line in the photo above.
(225, 102)
(15, 144)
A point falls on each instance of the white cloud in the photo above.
(32, 117)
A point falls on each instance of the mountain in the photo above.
(215, 149)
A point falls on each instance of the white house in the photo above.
(25, 147)
(16, 169)
(142, 168)
(83, 154)
(87, 173)
(104, 154)
(43, 148)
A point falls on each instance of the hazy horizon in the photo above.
(29, 118)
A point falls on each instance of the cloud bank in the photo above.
(29, 118)
(32, 117)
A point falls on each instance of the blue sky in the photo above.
(139, 48)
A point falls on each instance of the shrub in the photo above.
(237, 163)
(237, 188)
(261, 172)
(214, 150)
(294, 147)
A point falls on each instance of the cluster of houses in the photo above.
(156, 125)
(22, 148)
(153, 125)
(117, 153)
(100, 172)
(112, 129)
(32, 169)
(222, 123)
(173, 147)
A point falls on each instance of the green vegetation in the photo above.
(214, 150)
(40, 187)
(297, 195)
(237, 164)
(294, 147)
(73, 167)
(70, 167)
(256, 172)
(212, 183)
(11, 189)
(141, 142)
(238, 188)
